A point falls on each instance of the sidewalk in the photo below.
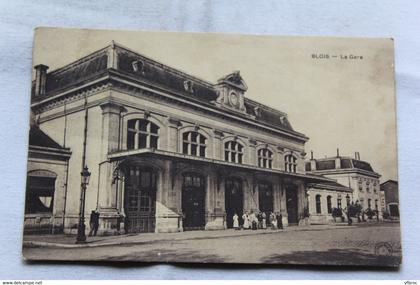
(68, 241)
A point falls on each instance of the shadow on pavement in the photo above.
(334, 257)
(170, 256)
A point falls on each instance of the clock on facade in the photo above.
(233, 99)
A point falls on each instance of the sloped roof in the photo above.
(153, 73)
(346, 163)
(331, 186)
(39, 138)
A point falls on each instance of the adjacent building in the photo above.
(46, 189)
(356, 179)
(167, 150)
(390, 205)
(324, 197)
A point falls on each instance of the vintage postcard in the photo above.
(212, 148)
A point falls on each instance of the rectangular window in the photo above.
(130, 140)
(153, 142)
(193, 149)
(187, 181)
(154, 129)
(202, 151)
(40, 195)
(145, 179)
(239, 157)
(194, 136)
(143, 125)
(185, 148)
(142, 140)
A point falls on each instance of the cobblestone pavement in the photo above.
(365, 244)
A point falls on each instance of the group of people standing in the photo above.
(258, 220)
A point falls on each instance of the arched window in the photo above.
(142, 134)
(290, 163)
(318, 203)
(265, 158)
(339, 203)
(194, 143)
(233, 152)
(329, 206)
(369, 203)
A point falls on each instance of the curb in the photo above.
(35, 244)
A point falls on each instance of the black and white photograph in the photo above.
(211, 148)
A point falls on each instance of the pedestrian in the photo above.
(274, 223)
(279, 218)
(264, 220)
(245, 217)
(349, 221)
(253, 219)
(259, 216)
(271, 220)
(235, 221)
(120, 219)
(126, 224)
(91, 222)
(94, 223)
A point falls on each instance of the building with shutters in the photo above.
(169, 151)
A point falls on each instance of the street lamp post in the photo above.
(81, 235)
(349, 221)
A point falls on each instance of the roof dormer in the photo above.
(231, 90)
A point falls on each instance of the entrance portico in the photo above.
(168, 192)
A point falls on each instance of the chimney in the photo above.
(312, 162)
(357, 155)
(338, 160)
(40, 79)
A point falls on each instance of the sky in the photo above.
(338, 102)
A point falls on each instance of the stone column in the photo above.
(252, 152)
(172, 137)
(214, 214)
(218, 148)
(107, 196)
(280, 158)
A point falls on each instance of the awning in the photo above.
(150, 152)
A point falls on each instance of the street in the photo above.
(364, 244)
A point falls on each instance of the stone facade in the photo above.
(168, 151)
(323, 198)
(353, 173)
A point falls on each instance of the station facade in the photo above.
(167, 150)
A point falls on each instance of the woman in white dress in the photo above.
(246, 221)
(235, 221)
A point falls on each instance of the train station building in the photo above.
(169, 151)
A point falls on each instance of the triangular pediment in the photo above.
(234, 79)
